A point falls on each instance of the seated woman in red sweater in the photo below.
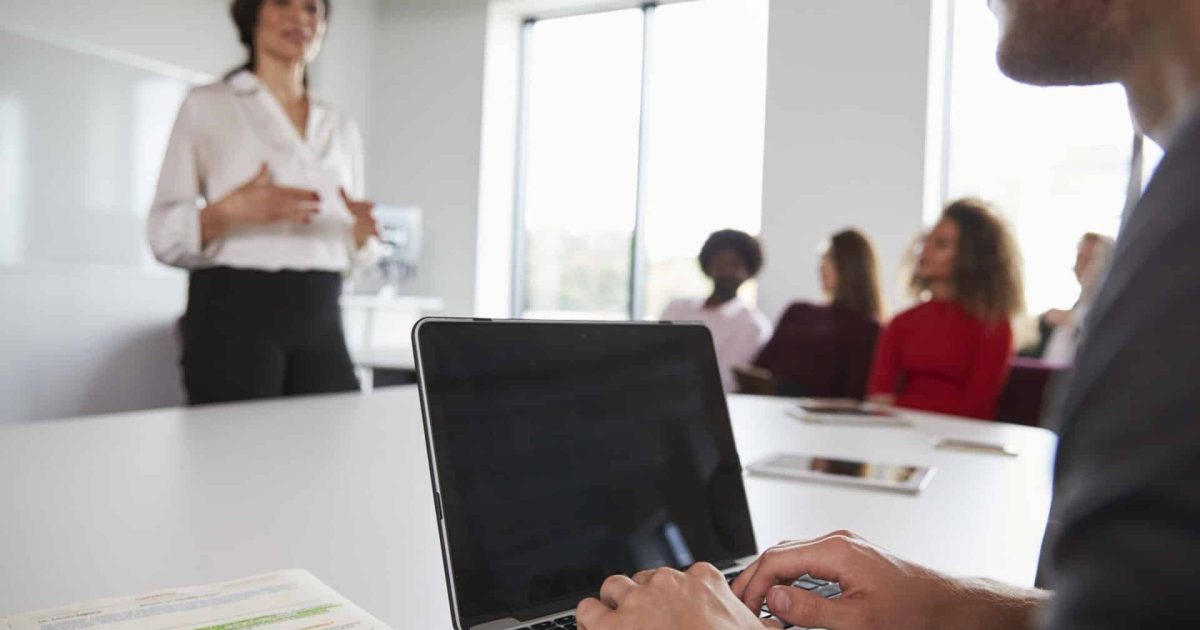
(824, 351)
(951, 353)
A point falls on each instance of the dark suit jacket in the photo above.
(1123, 545)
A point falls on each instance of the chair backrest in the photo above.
(1025, 395)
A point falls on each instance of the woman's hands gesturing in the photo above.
(257, 202)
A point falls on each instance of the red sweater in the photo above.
(936, 357)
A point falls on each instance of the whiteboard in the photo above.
(82, 136)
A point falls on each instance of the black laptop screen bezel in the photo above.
(700, 348)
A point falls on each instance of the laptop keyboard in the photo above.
(824, 588)
(562, 623)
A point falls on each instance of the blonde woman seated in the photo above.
(1059, 330)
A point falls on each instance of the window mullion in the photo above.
(519, 264)
(637, 271)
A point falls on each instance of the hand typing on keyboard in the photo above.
(877, 590)
(871, 589)
(698, 598)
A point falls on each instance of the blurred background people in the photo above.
(278, 173)
(825, 350)
(950, 354)
(729, 258)
(1058, 330)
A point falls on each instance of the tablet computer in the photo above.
(847, 412)
(906, 478)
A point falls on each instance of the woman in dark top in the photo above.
(824, 351)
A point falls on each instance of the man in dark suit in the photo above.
(1123, 548)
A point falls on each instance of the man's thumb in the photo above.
(801, 608)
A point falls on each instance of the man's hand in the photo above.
(878, 590)
(698, 599)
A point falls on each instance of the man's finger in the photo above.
(801, 608)
(743, 579)
(643, 577)
(739, 583)
(592, 614)
(614, 590)
(827, 558)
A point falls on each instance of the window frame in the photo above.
(637, 255)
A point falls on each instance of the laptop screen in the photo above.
(567, 452)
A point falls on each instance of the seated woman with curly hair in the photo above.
(950, 354)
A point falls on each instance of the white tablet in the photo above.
(847, 413)
(894, 477)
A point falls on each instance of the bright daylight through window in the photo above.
(642, 117)
(1054, 161)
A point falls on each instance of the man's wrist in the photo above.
(984, 604)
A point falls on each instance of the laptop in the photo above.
(565, 452)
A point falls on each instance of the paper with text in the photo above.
(283, 600)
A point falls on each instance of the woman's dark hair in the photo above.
(741, 243)
(245, 18)
(987, 267)
(857, 288)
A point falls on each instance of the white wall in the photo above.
(86, 340)
(847, 90)
(424, 148)
(193, 34)
(198, 35)
(343, 73)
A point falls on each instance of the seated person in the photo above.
(729, 258)
(1059, 329)
(825, 350)
(950, 354)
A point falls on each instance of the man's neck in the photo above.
(1162, 79)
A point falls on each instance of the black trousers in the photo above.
(255, 334)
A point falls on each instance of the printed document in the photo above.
(283, 600)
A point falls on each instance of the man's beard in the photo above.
(1061, 42)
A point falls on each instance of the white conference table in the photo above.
(339, 485)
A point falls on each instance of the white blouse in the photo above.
(223, 134)
(739, 331)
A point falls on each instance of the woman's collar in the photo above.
(245, 83)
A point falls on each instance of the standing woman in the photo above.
(255, 198)
(950, 354)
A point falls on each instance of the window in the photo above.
(642, 132)
(1056, 162)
